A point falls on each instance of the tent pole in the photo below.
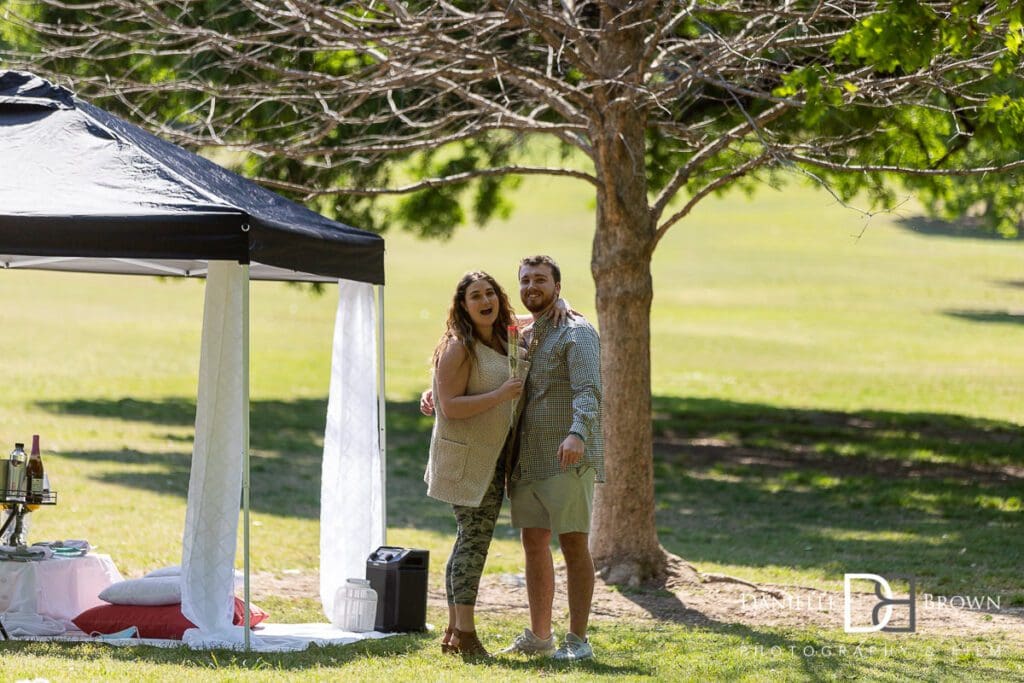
(245, 451)
(381, 408)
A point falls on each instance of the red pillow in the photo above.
(153, 621)
(256, 615)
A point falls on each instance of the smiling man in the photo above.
(557, 456)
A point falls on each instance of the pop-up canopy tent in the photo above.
(82, 190)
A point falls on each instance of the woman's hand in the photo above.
(561, 311)
(427, 403)
(510, 390)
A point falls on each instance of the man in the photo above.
(560, 456)
(556, 455)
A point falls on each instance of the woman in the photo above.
(476, 400)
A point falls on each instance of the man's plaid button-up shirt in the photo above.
(563, 395)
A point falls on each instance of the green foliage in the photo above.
(16, 34)
(431, 213)
(839, 110)
(439, 210)
(904, 37)
(945, 130)
(278, 123)
(821, 94)
(1006, 113)
(340, 62)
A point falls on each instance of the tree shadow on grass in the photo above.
(994, 316)
(820, 652)
(274, 425)
(969, 228)
(737, 484)
(931, 495)
(286, 439)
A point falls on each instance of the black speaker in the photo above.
(399, 575)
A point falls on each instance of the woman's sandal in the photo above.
(446, 641)
(468, 644)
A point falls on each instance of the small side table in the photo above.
(20, 507)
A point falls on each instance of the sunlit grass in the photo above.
(626, 651)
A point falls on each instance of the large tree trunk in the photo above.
(624, 539)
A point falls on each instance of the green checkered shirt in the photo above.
(563, 394)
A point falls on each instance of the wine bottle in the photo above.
(35, 473)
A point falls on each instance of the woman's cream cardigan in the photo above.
(464, 453)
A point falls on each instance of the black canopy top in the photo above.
(83, 190)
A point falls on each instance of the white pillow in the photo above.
(161, 590)
(173, 570)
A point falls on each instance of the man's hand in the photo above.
(427, 402)
(570, 452)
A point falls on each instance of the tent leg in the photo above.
(381, 414)
(247, 623)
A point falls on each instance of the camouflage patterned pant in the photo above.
(472, 541)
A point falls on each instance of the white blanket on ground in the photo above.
(265, 638)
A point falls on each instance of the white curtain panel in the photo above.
(215, 484)
(351, 487)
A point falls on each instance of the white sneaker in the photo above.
(526, 643)
(574, 649)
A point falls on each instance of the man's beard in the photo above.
(538, 305)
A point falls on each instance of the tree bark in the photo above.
(624, 538)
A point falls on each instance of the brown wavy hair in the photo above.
(541, 259)
(460, 327)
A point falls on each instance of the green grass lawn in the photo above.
(628, 652)
(831, 395)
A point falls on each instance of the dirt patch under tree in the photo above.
(689, 597)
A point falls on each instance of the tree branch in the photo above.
(429, 183)
(717, 184)
(907, 170)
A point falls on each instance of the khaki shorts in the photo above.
(561, 503)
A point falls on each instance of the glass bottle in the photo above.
(4, 467)
(35, 473)
(16, 466)
(355, 606)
